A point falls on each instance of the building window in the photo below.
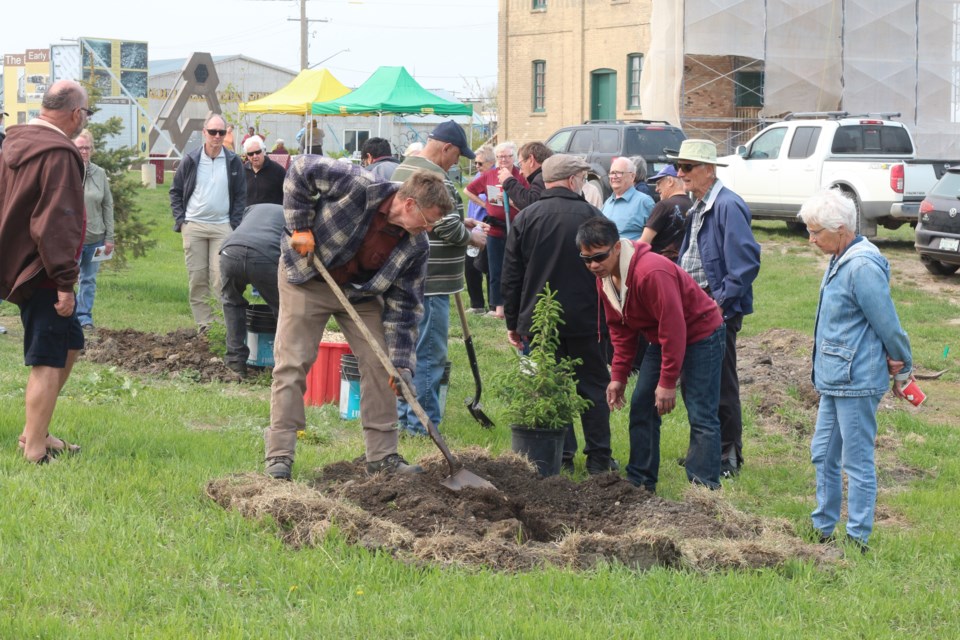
(353, 139)
(539, 5)
(539, 84)
(634, 67)
(749, 87)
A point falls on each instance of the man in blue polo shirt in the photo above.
(627, 207)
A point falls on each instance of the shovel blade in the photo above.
(464, 478)
(474, 408)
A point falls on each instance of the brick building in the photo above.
(722, 69)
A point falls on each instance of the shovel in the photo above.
(473, 404)
(459, 476)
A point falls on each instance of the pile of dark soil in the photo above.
(529, 522)
(179, 354)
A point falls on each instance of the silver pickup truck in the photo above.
(869, 156)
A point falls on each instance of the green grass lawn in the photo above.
(121, 541)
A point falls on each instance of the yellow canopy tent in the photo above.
(310, 85)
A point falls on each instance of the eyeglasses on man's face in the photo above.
(619, 174)
(686, 167)
(216, 132)
(87, 112)
(255, 153)
(426, 223)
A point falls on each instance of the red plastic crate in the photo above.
(323, 379)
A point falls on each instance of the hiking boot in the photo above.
(598, 467)
(729, 468)
(858, 544)
(393, 463)
(279, 468)
(239, 368)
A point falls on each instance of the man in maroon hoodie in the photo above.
(644, 293)
(41, 235)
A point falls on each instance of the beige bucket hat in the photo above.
(693, 150)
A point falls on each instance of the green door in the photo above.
(603, 94)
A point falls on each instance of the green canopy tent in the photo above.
(391, 90)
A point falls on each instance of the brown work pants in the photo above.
(304, 311)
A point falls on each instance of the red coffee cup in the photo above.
(913, 394)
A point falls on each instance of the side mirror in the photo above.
(742, 151)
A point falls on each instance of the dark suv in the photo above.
(600, 141)
(938, 229)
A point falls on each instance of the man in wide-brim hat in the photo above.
(721, 254)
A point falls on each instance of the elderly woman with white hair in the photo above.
(98, 238)
(858, 344)
(488, 183)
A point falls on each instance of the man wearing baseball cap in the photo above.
(721, 254)
(664, 228)
(541, 248)
(449, 238)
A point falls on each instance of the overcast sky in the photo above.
(449, 44)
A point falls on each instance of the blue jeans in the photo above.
(88, 283)
(844, 438)
(496, 247)
(700, 377)
(431, 359)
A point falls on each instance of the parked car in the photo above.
(938, 230)
(600, 141)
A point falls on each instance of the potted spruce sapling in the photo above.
(541, 392)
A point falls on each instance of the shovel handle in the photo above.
(408, 394)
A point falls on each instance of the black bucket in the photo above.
(543, 447)
(260, 319)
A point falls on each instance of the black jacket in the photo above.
(185, 179)
(265, 187)
(520, 196)
(542, 248)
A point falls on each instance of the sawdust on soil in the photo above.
(530, 522)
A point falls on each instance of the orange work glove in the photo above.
(407, 377)
(302, 242)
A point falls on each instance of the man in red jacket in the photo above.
(41, 234)
(644, 293)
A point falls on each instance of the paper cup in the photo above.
(913, 393)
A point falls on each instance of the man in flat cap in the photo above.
(541, 248)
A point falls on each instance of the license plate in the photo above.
(949, 244)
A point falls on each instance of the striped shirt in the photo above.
(338, 201)
(448, 239)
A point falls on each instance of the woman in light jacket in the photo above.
(99, 233)
(858, 344)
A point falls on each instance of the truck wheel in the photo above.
(938, 268)
(866, 228)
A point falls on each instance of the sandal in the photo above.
(45, 459)
(53, 452)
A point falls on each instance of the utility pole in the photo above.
(305, 33)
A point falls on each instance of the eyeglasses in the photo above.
(216, 132)
(426, 223)
(84, 148)
(509, 157)
(618, 174)
(597, 257)
(89, 112)
(686, 167)
(815, 232)
(254, 153)
(480, 163)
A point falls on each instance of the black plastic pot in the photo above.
(260, 319)
(543, 447)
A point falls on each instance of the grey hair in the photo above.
(831, 209)
(211, 117)
(641, 165)
(486, 153)
(253, 140)
(506, 146)
(631, 167)
(65, 97)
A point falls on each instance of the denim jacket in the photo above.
(857, 326)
